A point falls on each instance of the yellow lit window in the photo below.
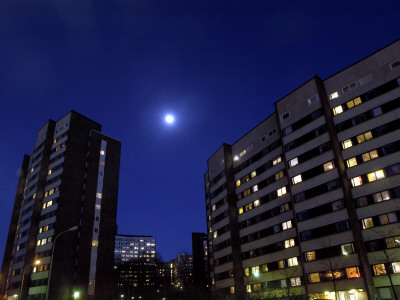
(255, 270)
(379, 269)
(253, 174)
(242, 153)
(246, 192)
(314, 277)
(248, 288)
(347, 144)
(334, 95)
(213, 207)
(376, 175)
(276, 160)
(356, 181)
(278, 175)
(292, 261)
(49, 172)
(247, 271)
(215, 234)
(360, 138)
(281, 191)
(329, 166)
(289, 243)
(347, 248)
(55, 141)
(310, 256)
(94, 243)
(240, 210)
(337, 110)
(257, 203)
(354, 102)
(351, 162)
(287, 225)
(257, 287)
(353, 272)
(296, 179)
(367, 223)
(102, 152)
(236, 157)
(281, 264)
(232, 290)
(265, 268)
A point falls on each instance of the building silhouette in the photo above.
(307, 202)
(67, 193)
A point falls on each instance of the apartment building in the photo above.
(67, 193)
(307, 203)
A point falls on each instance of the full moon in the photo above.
(169, 119)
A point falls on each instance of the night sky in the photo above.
(217, 66)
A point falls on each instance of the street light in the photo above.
(52, 255)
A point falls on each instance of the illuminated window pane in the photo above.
(390, 242)
(337, 110)
(357, 101)
(292, 261)
(347, 144)
(265, 268)
(371, 176)
(257, 287)
(281, 191)
(334, 95)
(253, 174)
(310, 256)
(102, 152)
(238, 182)
(236, 157)
(360, 138)
(293, 162)
(396, 267)
(247, 271)
(255, 188)
(380, 174)
(213, 207)
(353, 272)
(255, 270)
(351, 162)
(329, 166)
(356, 181)
(350, 104)
(347, 249)
(287, 225)
(240, 210)
(295, 281)
(377, 197)
(281, 264)
(296, 179)
(276, 160)
(368, 135)
(94, 243)
(366, 157)
(385, 195)
(367, 223)
(232, 290)
(314, 277)
(257, 203)
(215, 234)
(289, 243)
(373, 154)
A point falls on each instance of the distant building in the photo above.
(200, 261)
(182, 271)
(67, 192)
(135, 263)
(308, 201)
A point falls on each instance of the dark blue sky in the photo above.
(217, 65)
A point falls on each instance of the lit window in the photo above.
(379, 269)
(376, 175)
(334, 95)
(381, 196)
(367, 223)
(310, 256)
(102, 152)
(293, 162)
(215, 234)
(264, 268)
(240, 210)
(232, 290)
(236, 157)
(253, 174)
(353, 272)
(94, 243)
(281, 264)
(255, 188)
(289, 243)
(278, 175)
(237, 182)
(351, 162)
(329, 166)
(356, 181)
(257, 203)
(296, 179)
(347, 249)
(354, 102)
(287, 225)
(313, 277)
(242, 153)
(292, 261)
(213, 207)
(396, 267)
(49, 172)
(337, 110)
(247, 271)
(257, 287)
(347, 144)
(281, 191)
(98, 195)
(295, 281)
(255, 270)
(276, 160)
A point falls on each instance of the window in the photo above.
(363, 201)
(289, 243)
(257, 203)
(287, 225)
(377, 111)
(98, 195)
(379, 269)
(264, 268)
(276, 160)
(366, 79)
(314, 277)
(351, 162)
(370, 155)
(393, 242)
(364, 137)
(253, 174)
(353, 272)
(329, 166)
(247, 272)
(285, 116)
(255, 188)
(310, 256)
(312, 99)
(295, 281)
(396, 267)
(337, 110)
(281, 264)
(381, 196)
(232, 290)
(334, 95)
(278, 175)
(292, 262)
(395, 64)
(336, 205)
(287, 130)
(354, 102)
(376, 175)
(281, 191)
(356, 181)
(257, 287)
(349, 87)
(255, 270)
(236, 157)
(296, 179)
(293, 162)
(242, 153)
(214, 207)
(367, 223)
(237, 183)
(347, 144)
(347, 249)
(102, 152)
(215, 234)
